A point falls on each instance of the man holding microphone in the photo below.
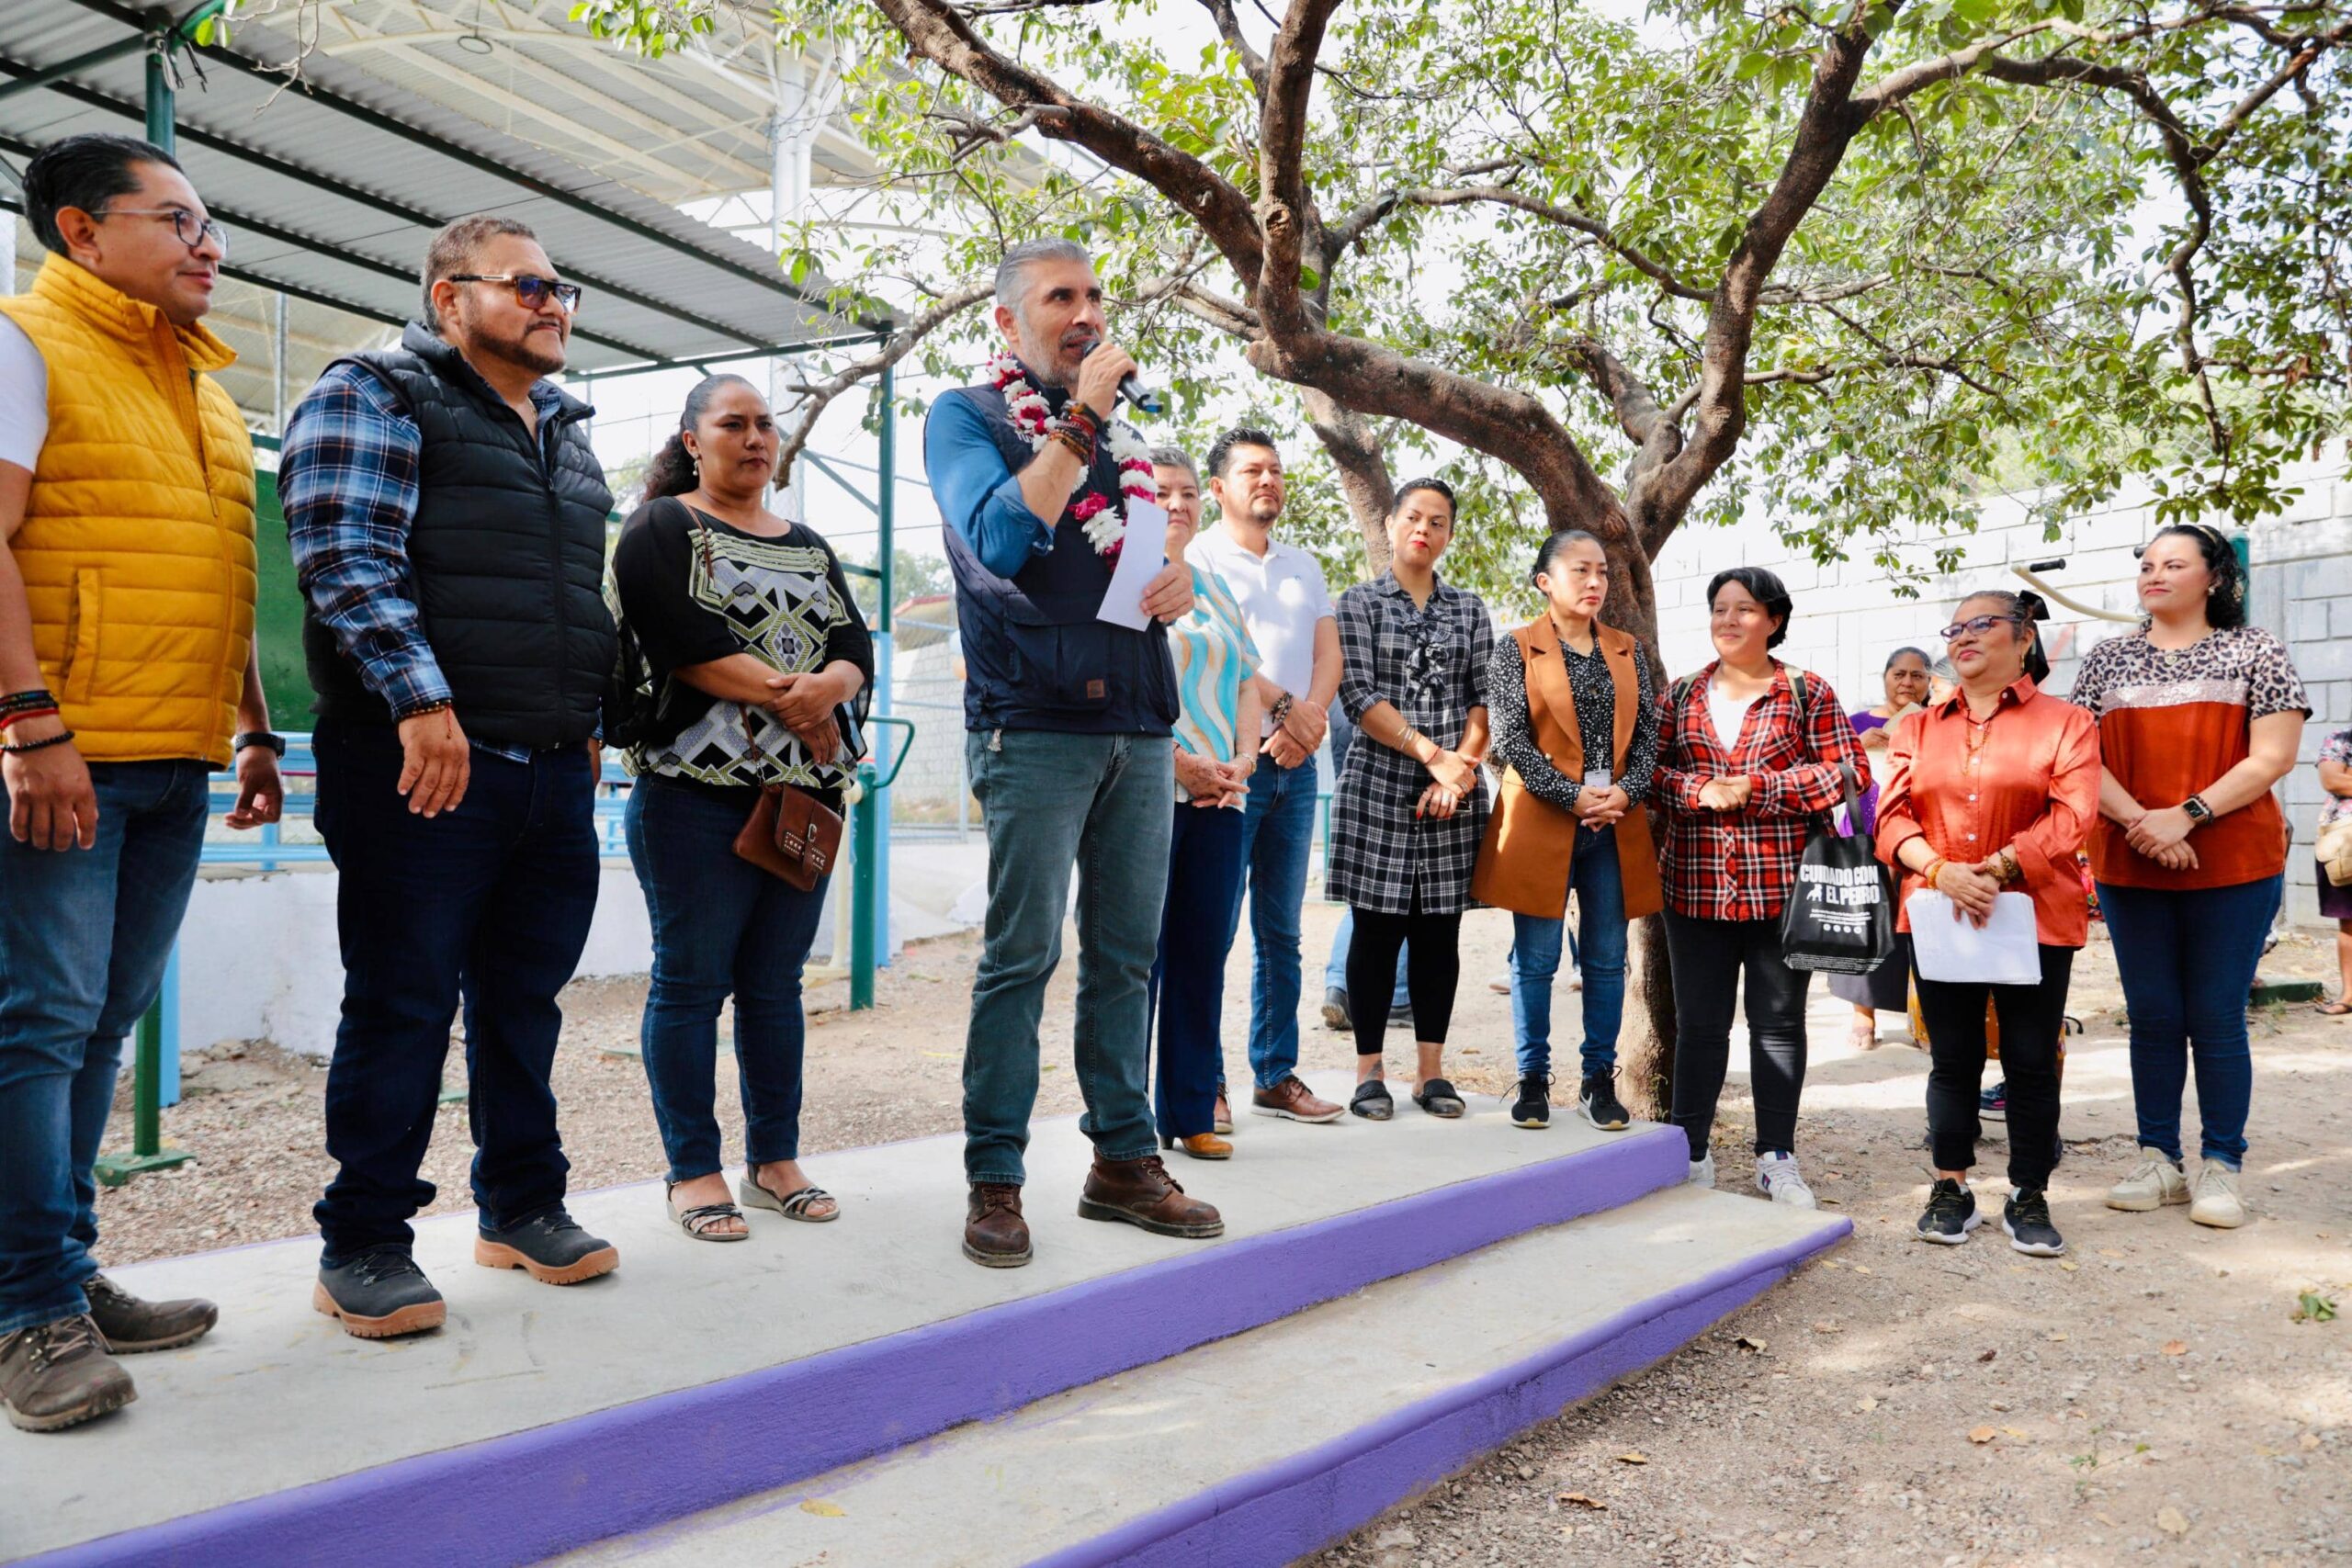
(1069, 720)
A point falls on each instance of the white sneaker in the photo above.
(1500, 984)
(2217, 1203)
(1703, 1171)
(2153, 1183)
(1777, 1178)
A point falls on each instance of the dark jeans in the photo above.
(1708, 957)
(1054, 802)
(1204, 865)
(2033, 1019)
(1432, 972)
(487, 904)
(721, 927)
(85, 935)
(2186, 960)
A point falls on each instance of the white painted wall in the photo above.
(1848, 615)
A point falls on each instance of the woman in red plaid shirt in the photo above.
(1751, 761)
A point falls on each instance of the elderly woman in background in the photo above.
(1216, 745)
(1993, 790)
(2334, 902)
(1905, 680)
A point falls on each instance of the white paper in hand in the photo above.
(1142, 554)
(2002, 953)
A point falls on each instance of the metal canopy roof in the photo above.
(332, 185)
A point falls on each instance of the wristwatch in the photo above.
(276, 743)
(2199, 812)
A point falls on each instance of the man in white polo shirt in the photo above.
(1282, 594)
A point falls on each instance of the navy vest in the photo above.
(506, 557)
(1034, 657)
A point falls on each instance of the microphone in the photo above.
(1132, 389)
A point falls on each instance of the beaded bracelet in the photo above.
(1075, 444)
(1935, 869)
(57, 739)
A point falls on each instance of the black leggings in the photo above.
(2032, 1017)
(1432, 969)
(1709, 957)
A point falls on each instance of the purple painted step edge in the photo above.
(528, 1495)
(1283, 1512)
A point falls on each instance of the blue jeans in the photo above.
(487, 904)
(1052, 801)
(85, 935)
(1598, 884)
(1277, 838)
(1188, 978)
(721, 927)
(1335, 970)
(2186, 960)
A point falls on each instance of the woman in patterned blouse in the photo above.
(1216, 747)
(1409, 810)
(1752, 756)
(2198, 715)
(758, 653)
(1576, 734)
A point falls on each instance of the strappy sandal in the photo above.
(792, 1205)
(1437, 1097)
(1371, 1101)
(702, 1220)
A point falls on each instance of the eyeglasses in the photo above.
(1979, 625)
(530, 290)
(192, 229)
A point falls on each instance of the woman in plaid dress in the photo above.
(1410, 805)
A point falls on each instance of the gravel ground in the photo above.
(2149, 1399)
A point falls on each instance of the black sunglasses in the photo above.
(530, 290)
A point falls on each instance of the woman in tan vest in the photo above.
(1576, 722)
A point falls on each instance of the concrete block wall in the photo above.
(1851, 615)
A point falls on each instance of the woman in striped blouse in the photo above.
(1216, 733)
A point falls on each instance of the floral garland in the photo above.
(1106, 526)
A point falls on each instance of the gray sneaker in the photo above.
(1703, 1171)
(2153, 1183)
(55, 1375)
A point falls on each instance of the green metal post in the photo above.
(865, 850)
(885, 481)
(159, 84)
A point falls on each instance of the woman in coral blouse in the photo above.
(1993, 791)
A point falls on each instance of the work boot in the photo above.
(58, 1374)
(995, 1235)
(379, 1293)
(129, 1325)
(550, 1246)
(1141, 1192)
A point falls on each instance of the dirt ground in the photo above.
(2151, 1398)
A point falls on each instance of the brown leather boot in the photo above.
(129, 1325)
(54, 1375)
(1141, 1192)
(995, 1235)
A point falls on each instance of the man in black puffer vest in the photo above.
(447, 521)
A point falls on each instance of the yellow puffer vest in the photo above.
(136, 548)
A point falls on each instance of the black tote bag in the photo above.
(1840, 918)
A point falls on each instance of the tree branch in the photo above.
(1229, 27)
(1551, 212)
(1354, 446)
(1286, 211)
(950, 304)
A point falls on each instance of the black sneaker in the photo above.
(1597, 1103)
(2026, 1218)
(1533, 1106)
(1992, 1104)
(550, 1246)
(1401, 1017)
(1335, 1008)
(1950, 1215)
(379, 1293)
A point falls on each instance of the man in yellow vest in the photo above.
(126, 668)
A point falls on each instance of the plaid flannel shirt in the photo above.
(347, 478)
(1739, 866)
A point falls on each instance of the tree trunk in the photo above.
(1354, 446)
(1645, 1039)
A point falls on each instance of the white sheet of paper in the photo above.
(1141, 559)
(2002, 953)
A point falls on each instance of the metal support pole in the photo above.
(63, 69)
(159, 84)
(865, 850)
(147, 1150)
(885, 481)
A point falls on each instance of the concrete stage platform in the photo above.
(543, 1420)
